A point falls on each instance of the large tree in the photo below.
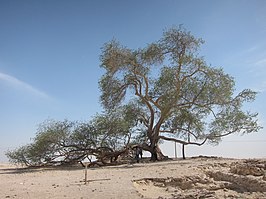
(177, 96)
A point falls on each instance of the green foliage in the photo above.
(19, 155)
(177, 94)
(69, 142)
(112, 130)
(47, 145)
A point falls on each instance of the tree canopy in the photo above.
(178, 96)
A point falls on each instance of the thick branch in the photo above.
(178, 128)
(181, 141)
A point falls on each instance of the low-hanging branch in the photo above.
(181, 141)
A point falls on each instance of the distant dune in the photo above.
(202, 177)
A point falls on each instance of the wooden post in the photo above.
(175, 151)
(183, 151)
(86, 172)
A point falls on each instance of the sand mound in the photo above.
(219, 180)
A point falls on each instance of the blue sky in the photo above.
(49, 57)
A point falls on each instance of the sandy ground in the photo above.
(191, 178)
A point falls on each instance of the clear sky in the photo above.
(49, 57)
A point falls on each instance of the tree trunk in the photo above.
(156, 154)
(154, 149)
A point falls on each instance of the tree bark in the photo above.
(157, 155)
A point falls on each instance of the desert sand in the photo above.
(201, 177)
